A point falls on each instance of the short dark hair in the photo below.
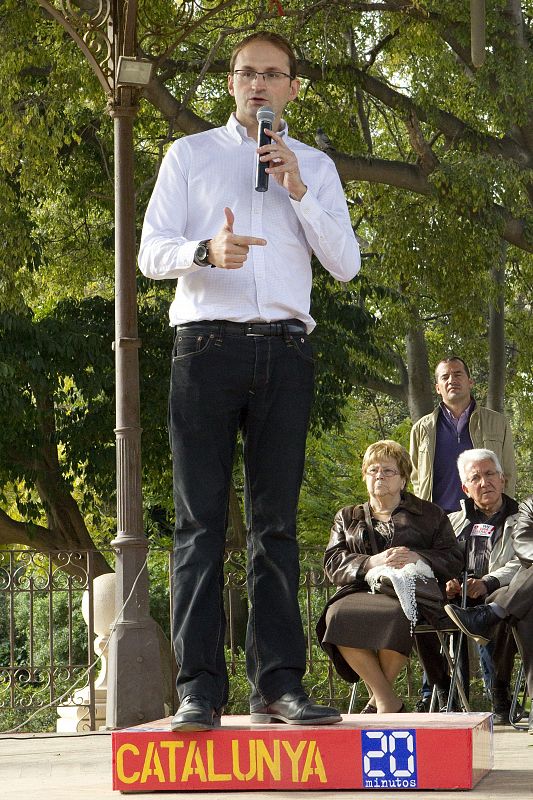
(276, 39)
(447, 361)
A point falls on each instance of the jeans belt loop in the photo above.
(285, 329)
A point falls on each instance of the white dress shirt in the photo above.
(203, 173)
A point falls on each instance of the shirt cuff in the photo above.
(189, 249)
(308, 206)
(491, 583)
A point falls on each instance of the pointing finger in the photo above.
(247, 241)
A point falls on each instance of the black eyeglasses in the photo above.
(250, 75)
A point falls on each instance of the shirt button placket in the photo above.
(259, 252)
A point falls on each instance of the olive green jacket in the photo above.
(488, 429)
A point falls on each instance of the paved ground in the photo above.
(78, 766)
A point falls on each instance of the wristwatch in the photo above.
(201, 254)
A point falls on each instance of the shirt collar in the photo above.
(239, 133)
(473, 513)
(464, 416)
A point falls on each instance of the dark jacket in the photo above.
(523, 532)
(503, 563)
(418, 524)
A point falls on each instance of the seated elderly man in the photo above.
(485, 524)
(512, 604)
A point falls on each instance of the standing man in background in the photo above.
(242, 360)
(456, 425)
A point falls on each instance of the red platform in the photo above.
(389, 751)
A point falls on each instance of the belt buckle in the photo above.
(249, 330)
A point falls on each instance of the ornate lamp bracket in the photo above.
(96, 34)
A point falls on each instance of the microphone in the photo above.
(265, 118)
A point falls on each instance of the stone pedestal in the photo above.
(74, 716)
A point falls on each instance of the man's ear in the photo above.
(231, 89)
(295, 88)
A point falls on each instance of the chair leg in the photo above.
(353, 698)
(434, 700)
(453, 664)
(517, 710)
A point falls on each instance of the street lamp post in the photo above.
(105, 32)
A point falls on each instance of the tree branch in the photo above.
(14, 532)
(455, 129)
(394, 390)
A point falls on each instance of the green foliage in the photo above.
(381, 83)
(333, 465)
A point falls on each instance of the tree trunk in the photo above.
(67, 529)
(496, 387)
(420, 386)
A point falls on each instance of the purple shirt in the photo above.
(452, 438)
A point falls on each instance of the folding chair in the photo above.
(450, 648)
(519, 698)
(451, 641)
(451, 654)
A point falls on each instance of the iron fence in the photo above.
(47, 647)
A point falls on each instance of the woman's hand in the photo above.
(396, 557)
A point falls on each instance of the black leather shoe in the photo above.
(423, 705)
(295, 708)
(501, 706)
(478, 622)
(195, 714)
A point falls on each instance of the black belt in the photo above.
(281, 328)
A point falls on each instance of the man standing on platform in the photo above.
(512, 603)
(242, 359)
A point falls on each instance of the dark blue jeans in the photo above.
(223, 381)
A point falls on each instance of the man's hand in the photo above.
(226, 249)
(475, 588)
(453, 588)
(282, 165)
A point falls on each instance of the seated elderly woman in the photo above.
(368, 635)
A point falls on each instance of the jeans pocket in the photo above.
(187, 345)
(302, 346)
